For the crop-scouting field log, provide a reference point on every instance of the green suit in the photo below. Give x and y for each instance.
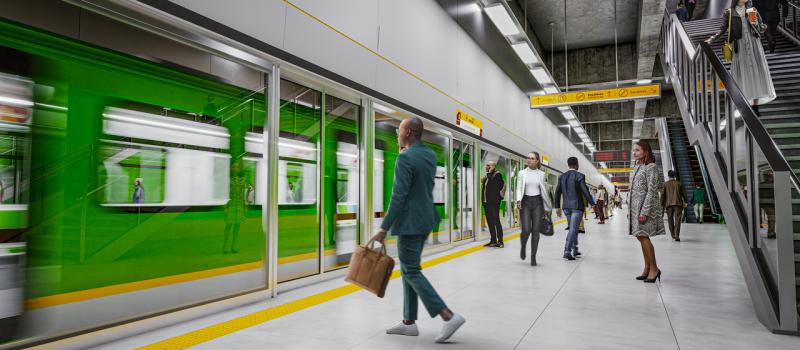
(411, 218)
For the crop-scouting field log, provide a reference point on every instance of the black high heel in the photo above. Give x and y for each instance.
(641, 278)
(658, 277)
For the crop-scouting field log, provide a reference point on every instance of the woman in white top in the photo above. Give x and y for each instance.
(533, 202)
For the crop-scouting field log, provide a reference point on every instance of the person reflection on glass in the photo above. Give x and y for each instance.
(138, 191)
(235, 209)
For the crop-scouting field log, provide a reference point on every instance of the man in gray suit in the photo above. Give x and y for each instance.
(411, 218)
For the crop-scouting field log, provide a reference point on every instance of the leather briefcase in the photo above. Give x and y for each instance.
(370, 269)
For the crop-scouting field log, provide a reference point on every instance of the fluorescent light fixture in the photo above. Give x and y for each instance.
(563, 108)
(569, 115)
(150, 121)
(15, 101)
(525, 53)
(551, 89)
(574, 123)
(644, 81)
(638, 120)
(541, 75)
(501, 19)
(473, 7)
(383, 108)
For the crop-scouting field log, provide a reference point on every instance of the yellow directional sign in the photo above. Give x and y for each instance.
(597, 96)
(616, 170)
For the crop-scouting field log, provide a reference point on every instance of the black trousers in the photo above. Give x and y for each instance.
(772, 34)
(690, 9)
(493, 220)
(531, 214)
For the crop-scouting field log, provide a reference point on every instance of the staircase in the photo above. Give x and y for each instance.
(754, 169)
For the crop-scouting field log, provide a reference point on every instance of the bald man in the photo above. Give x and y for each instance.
(493, 186)
(411, 217)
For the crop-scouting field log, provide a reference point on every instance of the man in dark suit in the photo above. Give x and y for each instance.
(770, 14)
(411, 218)
(573, 185)
(493, 187)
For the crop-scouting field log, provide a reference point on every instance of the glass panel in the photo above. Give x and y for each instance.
(439, 144)
(765, 216)
(142, 177)
(515, 168)
(298, 207)
(462, 194)
(341, 181)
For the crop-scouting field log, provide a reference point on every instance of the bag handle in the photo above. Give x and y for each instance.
(371, 245)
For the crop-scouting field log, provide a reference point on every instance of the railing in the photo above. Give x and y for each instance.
(754, 182)
(789, 19)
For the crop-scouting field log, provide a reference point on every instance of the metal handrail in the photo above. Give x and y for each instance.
(793, 12)
(775, 158)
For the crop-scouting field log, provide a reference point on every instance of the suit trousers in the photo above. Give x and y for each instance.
(492, 211)
(674, 220)
(415, 285)
(531, 213)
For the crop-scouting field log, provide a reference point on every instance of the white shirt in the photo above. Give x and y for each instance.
(531, 182)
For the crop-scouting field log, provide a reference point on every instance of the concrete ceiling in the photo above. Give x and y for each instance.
(590, 23)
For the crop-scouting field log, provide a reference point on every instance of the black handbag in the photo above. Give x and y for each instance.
(547, 225)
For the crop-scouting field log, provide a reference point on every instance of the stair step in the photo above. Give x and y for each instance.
(786, 136)
(781, 125)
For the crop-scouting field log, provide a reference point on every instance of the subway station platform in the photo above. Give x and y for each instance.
(592, 303)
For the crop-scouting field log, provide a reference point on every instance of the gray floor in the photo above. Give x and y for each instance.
(591, 303)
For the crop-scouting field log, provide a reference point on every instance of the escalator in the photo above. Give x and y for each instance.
(751, 157)
(689, 169)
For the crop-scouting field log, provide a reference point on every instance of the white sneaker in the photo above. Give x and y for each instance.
(404, 329)
(450, 327)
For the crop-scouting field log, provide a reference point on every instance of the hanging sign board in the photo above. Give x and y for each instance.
(611, 156)
(545, 159)
(639, 92)
(469, 123)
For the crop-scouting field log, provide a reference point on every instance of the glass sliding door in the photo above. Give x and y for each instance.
(298, 182)
(463, 190)
(341, 185)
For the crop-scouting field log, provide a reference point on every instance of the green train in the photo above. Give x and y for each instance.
(136, 185)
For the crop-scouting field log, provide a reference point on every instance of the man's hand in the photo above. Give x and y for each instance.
(380, 236)
(519, 204)
(558, 212)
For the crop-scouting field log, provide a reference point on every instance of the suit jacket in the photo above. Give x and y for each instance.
(411, 209)
(573, 185)
(492, 185)
(673, 194)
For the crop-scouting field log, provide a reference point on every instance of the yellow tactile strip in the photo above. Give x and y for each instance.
(222, 329)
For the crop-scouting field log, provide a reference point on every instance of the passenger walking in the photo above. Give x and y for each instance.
(673, 199)
(645, 214)
(534, 204)
(602, 199)
(699, 200)
(749, 65)
(411, 217)
(493, 192)
(572, 185)
(690, 5)
(770, 13)
(682, 13)
(235, 209)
